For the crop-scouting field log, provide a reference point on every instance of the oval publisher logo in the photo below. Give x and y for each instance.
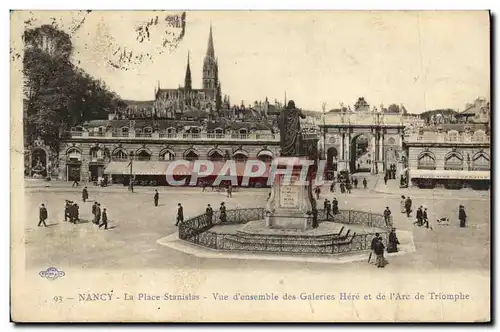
(52, 273)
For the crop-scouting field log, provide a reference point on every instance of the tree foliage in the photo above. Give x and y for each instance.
(57, 94)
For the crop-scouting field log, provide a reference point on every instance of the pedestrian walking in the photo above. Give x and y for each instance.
(408, 206)
(75, 183)
(75, 213)
(402, 204)
(419, 214)
(385, 179)
(425, 218)
(335, 206)
(98, 214)
(67, 206)
(379, 251)
(462, 216)
(85, 194)
(393, 241)
(365, 183)
(180, 214)
(156, 197)
(229, 191)
(328, 210)
(210, 214)
(43, 215)
(94, 207)
(387, 216)
(372, 247)
(104, 219)
(222, 211)
(355, 181)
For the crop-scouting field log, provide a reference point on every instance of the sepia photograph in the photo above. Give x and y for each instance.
(250, 166)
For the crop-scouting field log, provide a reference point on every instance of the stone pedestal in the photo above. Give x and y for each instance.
(289, 206)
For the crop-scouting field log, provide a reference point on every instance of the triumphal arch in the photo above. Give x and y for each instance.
(363, 140)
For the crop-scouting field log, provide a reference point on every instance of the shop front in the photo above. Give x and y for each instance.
(450, 179)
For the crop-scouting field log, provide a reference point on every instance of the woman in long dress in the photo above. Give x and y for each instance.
(402, 204)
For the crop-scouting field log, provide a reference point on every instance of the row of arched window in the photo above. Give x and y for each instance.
(455, 161)
(144, 154)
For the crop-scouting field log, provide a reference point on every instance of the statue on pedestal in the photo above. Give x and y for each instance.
(290, 135)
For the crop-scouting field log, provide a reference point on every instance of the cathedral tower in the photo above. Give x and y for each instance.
(210, 67)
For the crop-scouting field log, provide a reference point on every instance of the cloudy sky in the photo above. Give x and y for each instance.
(424, 60)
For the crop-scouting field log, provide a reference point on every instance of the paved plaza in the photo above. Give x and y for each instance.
(136, 226)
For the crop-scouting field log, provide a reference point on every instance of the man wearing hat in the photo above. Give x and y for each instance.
(425, 218)
(387, 216)
(419, 214)
(43, 215)
(372, 247)
(393, 241)
(462, 216)
(180, 214)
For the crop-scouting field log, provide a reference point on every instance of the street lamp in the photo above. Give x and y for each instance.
(131, 164)
(324, 130)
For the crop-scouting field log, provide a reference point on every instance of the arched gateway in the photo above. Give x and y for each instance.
(365, 141)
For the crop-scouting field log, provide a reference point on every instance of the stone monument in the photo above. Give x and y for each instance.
(290, 205)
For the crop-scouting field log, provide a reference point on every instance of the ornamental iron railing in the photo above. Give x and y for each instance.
(197, 230)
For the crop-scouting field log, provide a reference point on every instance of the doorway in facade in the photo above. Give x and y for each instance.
(73, 172)
(96, 171)
(331, 159)
(360, 155)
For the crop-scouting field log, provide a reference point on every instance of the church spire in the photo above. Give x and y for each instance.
(210, 66)
(210, 49)
(187, 79)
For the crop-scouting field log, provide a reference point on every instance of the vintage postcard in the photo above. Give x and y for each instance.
(250, 166)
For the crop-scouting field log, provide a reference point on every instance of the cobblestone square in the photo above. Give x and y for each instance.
(136, 225)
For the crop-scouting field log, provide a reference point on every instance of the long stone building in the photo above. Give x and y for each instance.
(107, 146)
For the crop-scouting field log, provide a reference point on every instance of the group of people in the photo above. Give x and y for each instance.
(209, 212)
(422, 214)
(405, 205)
(98, 215)
(422, 217)
(378, 248)
(345, 185)
(330, 207)
(71, 212)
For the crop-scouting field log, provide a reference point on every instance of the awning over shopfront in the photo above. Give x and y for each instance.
(448, 174)
(178, 168)
(138, 167)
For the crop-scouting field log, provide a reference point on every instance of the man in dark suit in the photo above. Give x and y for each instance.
(210, 213)
(98, 214)
(43, 215)
(104, 219)
(419, 215)
(372, 247)
(85, 194)
(180, 214)
(425, 218)
(408, 206)
(462, 216)
(156, 197)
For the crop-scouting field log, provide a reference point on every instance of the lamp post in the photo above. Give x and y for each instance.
(323, 106)
(131, 164)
